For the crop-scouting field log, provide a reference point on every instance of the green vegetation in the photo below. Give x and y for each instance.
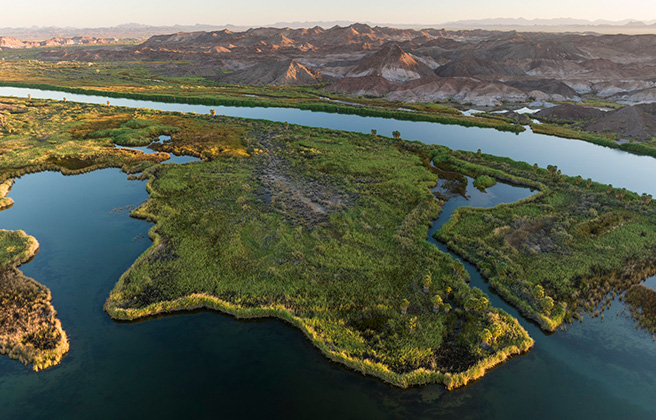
(29, 329)
(45, 135)
(327, 231)
(605, 139)
(484, 182)
(641, 301)
(562, 250)
(135, 80)
(134, 132)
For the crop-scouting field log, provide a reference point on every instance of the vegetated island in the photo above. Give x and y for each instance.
(29, 328)
(564, 251)
(321, 228)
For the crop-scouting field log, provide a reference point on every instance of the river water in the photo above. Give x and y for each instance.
(208, 365)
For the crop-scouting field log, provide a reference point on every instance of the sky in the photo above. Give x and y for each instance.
(94, 13)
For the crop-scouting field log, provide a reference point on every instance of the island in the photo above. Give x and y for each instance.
(327, 230)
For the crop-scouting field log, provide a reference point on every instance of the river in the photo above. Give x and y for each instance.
(208, 365)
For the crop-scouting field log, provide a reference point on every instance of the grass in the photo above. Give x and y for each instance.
(641, 301)
(29, 328)
(484, 182)
(562, 250)
(327, 231)
(136, 80)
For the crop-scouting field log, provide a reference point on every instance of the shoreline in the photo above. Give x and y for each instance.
(362, 110)
(417, 377)
(26, 352)
(199, 301)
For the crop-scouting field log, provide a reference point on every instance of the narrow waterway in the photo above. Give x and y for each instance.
(573, 157)
(610, 352)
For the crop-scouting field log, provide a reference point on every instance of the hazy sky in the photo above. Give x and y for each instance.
(93, 13)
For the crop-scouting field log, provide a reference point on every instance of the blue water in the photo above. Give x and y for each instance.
(573, 157)
(208, 365)
(180, 159)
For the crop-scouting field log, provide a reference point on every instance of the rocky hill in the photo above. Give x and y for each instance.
(391, 63)
(637, 122)
(275, 73)
(479, 66)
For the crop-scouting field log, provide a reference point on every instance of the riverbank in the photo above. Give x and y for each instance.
(213, 97)
(128, 80)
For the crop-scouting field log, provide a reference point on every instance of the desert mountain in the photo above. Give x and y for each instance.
(472, 66)
(490, 66)
(630, 122)
(568, 113)
(364, 85)
(8, 43)
(392, 63)
(276, 73)
(462, 89)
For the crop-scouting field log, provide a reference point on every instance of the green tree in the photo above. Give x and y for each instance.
(486, 336)
(458, 270)
(538, 291)
(427, 281)
(478, 304)
(437, 303)
(547, 304)
(405, 304)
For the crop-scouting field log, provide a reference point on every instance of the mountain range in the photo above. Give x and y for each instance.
(482, 67)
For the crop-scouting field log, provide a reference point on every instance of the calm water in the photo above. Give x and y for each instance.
(209, 365)
(173, 159)
(573, 157)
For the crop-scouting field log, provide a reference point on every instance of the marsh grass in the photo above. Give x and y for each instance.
(326, 230)
(641, 301)
(562, 250)
(29, 329)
